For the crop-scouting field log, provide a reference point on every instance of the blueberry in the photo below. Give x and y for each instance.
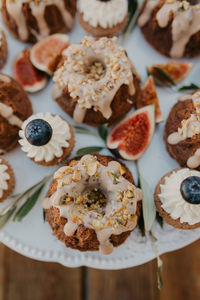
(190, 189)
(115, 152)
(104, 0)
(38, 132)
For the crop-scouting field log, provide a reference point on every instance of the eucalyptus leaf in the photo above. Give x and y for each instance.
(141, 224)
(4, 218)
(191, 86)
(103, 132)
(159, 276)
(157, 80)
(88, 150)
(28, 205)
(165, 76)
(148, 205)
(159, 219)
(83, 130)
(134, 11)
(159, 261)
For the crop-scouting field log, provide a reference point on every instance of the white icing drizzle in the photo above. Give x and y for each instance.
(116, 216)
(54, 148)
(7, 113)
(172, 200)
(186, 22)
(4, 177)
(15, 9)
(189, 128)
(145, 16)
(90, 93)
(103, 14)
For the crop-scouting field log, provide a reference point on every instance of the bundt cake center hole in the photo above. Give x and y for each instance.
(94, 199)
(95, 70)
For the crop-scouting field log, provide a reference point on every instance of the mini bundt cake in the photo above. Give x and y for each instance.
(96, 83)
(182, 131)
(172, 27)
(32, 20)
(15, 107)
(93, 204)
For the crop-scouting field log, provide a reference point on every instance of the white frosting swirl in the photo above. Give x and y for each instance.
(4, 177)
(54, 148)
(172, 200)
(104, 14)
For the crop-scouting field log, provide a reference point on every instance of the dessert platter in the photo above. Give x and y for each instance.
(99, 134)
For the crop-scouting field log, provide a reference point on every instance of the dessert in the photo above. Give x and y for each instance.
(103, 17)
(46, 53)
(46, 139)
(177, 198)
(172, 27)
(27, 75)
(93, 204)
(3, 49)
(148, 95)
(15, 107)
(182, 131)
(7, 179)
(32, 20)
(132, 136)
(96, 82)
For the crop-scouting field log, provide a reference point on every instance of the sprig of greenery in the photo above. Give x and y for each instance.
(103, 132)
(88, 150)
(9, 211)
(134, 11)
(190, 87)
(148, 205)
(159, 261)
(83, 130)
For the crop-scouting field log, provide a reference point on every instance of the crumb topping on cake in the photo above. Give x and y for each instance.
(97, 196)
(92, 72)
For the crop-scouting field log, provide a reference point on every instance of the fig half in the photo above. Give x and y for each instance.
(27, 75)
(132, 136)
(148, 95)
(177, 71)
(46, 54)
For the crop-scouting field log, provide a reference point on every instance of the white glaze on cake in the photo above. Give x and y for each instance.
(103, 14)
(93, 93)
(15, 10)
(189, 128)
(54, 148)
(7, 113)
(116, 216)
(4, 177)
(173, 202)
(185, 23)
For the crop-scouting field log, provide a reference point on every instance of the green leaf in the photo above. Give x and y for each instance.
(88, 150)
(83, 130)
(148, 205)
(28, 205)
(165, 76)
(159, 275)
(159, 219)
(159, 261)
(44, 215)
(134, 11)
(191, 86)
(103, 132)
(141, 224)
(4, 218)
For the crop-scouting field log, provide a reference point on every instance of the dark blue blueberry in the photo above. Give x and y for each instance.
(190, 189)
(38, 132)
(104, 0)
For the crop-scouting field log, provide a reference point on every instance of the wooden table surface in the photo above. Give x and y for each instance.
(25, 279)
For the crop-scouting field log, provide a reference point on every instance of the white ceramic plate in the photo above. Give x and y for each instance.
(33, 237)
